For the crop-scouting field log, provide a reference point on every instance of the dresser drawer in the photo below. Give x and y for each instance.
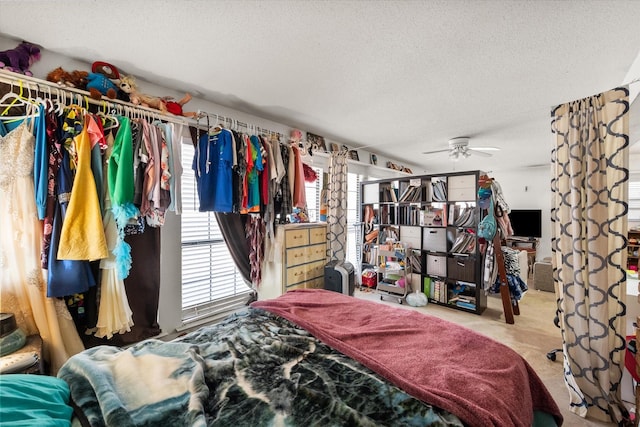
(305, 272)
(317, 283)
(296, 275)
(297, 256)
(316, 269)
(295, 238)
(316, 252)
(318, 235)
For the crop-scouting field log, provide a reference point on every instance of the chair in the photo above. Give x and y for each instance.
(556, 321)
(552, 354)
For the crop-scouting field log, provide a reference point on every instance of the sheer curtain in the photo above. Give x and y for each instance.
(337, 200)
(589, 237)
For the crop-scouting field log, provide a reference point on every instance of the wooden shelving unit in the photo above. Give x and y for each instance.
(435, 216)
(633, 248)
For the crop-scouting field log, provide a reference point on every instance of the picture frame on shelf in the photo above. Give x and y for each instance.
(373, 159)
(317, 142)
(334, 147)
(353, 155)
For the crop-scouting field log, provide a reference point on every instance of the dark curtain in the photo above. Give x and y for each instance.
(232, 228)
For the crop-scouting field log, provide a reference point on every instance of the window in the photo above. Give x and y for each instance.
(211, 283)
(634, 200)
(353, 230)
(313, 193)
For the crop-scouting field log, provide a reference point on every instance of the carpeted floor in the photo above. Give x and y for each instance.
(532, 335)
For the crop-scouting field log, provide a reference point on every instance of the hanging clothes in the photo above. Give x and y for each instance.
(213, 163)
(22, 286)
(41, 163)
(283, 196)
(82, 236)
(255, 240)
(121, 192)
(240, 170)
(65, 277)
(55, 160)
(254, 169)
(114, 313)
(299, 191)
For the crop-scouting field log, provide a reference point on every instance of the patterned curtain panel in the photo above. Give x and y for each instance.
(337, 200)
(589, 228)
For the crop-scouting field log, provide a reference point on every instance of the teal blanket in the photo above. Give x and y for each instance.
(253, 369)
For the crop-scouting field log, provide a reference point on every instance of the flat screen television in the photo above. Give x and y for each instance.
(526, 222)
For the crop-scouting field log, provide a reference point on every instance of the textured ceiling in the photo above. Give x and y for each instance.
(401, 76)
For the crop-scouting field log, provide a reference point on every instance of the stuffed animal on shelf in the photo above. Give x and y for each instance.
(20, 59)
(165, 105)
(76, 79)
(100, 81)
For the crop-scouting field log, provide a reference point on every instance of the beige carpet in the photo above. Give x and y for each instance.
(532, 336)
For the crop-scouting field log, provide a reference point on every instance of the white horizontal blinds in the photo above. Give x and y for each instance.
(312, 193)
(211, 283)
(353, 184)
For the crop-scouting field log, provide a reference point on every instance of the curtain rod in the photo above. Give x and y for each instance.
(83, 97)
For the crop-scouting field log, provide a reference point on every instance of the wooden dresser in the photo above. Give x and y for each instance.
(300, 254)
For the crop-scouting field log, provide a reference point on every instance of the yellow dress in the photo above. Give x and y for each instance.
(82, 236)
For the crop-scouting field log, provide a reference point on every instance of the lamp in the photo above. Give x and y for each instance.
(457, 153)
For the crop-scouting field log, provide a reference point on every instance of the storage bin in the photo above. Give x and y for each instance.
(436, 265)
(462, 268)
(410, 236)
(461, 188)
(434, 239)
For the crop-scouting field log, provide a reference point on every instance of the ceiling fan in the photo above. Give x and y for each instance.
(459, 148)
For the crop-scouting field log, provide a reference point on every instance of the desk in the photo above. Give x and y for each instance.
(525, 244)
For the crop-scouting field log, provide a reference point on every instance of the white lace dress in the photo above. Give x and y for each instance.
(22, 281)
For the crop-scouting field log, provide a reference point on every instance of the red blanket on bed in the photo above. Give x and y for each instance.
(478, 379)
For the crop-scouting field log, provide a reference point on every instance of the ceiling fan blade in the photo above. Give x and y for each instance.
(485, 148)
(480, 153)
(444, 150)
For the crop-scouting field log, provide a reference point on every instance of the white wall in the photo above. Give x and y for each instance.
(171, 271)
(530, 189)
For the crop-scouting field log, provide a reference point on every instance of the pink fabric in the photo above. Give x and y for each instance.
(478, 379)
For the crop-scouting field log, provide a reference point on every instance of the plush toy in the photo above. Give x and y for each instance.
(76, 79)
(99, 80)
(20, 58)
(165, 105)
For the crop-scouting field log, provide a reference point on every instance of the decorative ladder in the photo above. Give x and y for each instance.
(510, 307)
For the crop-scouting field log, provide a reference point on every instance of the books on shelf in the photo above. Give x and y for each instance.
(411, 194)
(439, 190)
(462, 215)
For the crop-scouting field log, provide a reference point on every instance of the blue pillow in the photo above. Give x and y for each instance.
(34, 400)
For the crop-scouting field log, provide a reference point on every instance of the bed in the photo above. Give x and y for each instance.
(312, 358)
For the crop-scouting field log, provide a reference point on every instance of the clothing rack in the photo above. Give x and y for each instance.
(68, 95)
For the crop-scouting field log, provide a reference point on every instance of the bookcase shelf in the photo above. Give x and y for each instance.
(435, 217)
(633, 249)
